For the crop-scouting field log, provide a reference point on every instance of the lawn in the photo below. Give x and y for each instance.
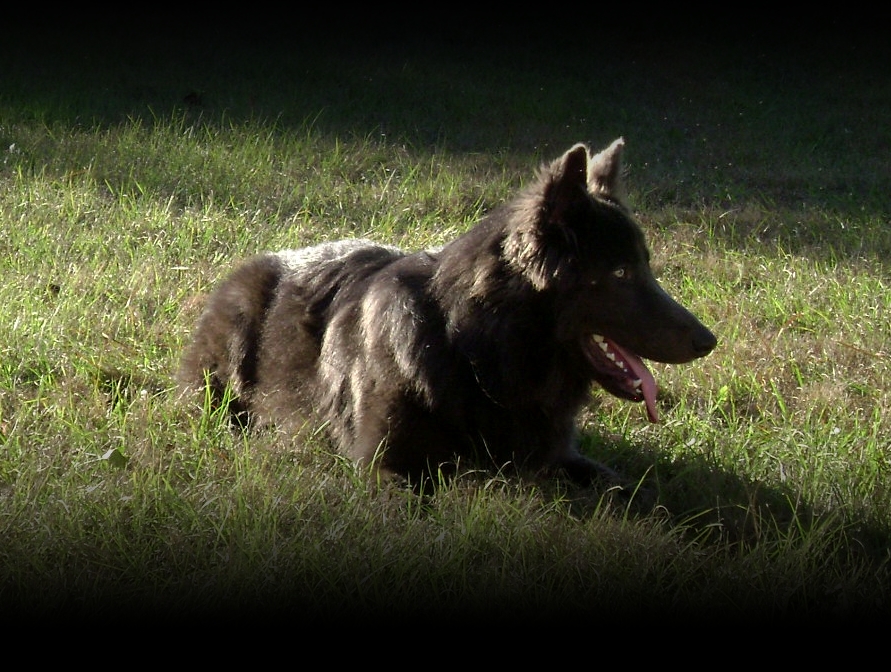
(135, 172)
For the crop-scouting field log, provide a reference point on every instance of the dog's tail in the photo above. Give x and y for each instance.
(222, 358)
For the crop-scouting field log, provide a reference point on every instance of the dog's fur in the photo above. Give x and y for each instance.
(483, 348)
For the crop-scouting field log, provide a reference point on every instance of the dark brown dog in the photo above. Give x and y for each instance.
(485, 348)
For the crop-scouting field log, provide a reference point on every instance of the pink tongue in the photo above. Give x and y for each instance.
(647, 382)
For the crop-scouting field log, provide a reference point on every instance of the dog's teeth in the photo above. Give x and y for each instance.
(598, 338)
(604, 347)
(637, 383)
(610, 356)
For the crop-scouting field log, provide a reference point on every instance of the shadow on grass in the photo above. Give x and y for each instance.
(713, 505)
(709, 117)
(719, 508)
(320, 542)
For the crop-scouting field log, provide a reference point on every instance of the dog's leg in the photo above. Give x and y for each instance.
(585, 471)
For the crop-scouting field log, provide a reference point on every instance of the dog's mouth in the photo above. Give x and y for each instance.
(621, 372)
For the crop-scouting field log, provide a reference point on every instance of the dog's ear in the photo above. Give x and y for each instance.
(568, 182)
(605, 172)
(537, 235)
(574, 166)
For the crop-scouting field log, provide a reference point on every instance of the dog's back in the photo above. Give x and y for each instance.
(261, 329)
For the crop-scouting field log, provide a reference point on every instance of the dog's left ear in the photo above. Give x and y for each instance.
(568, 181)
(605, 172)
(538, 236)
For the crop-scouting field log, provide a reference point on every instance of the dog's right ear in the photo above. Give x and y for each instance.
(605, 172)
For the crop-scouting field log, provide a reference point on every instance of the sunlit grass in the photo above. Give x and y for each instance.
(768, 473)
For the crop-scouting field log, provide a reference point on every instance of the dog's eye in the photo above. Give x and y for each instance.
(622, 273)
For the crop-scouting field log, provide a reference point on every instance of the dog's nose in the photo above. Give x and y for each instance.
(704, 342)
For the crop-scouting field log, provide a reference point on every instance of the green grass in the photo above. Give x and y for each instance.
(759, 175)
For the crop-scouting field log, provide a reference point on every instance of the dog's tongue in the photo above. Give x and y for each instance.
(647, 382)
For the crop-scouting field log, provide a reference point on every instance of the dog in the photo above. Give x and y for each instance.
(483, 349)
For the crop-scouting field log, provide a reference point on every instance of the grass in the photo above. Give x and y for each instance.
(132, 178)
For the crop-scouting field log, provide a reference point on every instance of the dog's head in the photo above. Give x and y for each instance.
(575, 237)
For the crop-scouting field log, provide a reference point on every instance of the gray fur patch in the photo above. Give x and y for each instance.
(308, 259)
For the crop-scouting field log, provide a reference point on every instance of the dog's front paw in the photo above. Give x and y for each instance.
(586, 472)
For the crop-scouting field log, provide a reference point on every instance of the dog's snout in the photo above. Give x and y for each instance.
(704, 342)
